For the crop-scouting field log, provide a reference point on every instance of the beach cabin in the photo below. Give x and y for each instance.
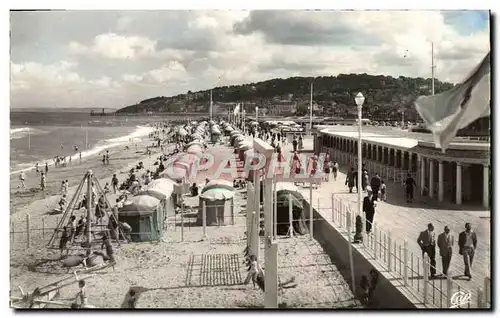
(145, 216)
(215, 134)
(163, 190)
(217, 197)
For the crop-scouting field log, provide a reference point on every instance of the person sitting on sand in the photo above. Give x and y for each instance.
(194, 190)
(62, 202)
(106, 188)
(126, 230)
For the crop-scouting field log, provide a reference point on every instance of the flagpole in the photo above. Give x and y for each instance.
(29, 139)
(432, 66)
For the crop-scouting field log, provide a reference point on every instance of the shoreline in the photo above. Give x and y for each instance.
(121, 160)
(139, 133)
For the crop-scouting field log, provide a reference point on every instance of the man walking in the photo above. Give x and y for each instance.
(375, 184)
(427, 242)
(369, 205)
(467, 243)
(410, 185)
(445, 244)
(350, 180)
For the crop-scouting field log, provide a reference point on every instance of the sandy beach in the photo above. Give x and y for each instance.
(179, 271)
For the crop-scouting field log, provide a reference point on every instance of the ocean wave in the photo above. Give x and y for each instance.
(139, 132)
(21, 132)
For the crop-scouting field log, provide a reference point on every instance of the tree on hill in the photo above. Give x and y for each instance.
(385, 96)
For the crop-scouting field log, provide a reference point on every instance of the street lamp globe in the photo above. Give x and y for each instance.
(360, 99)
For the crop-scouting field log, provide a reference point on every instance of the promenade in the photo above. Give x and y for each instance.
(405, 221)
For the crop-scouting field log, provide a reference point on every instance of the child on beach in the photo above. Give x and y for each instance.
(22, 177)
(335, 169)
(46, 167)
(383, 191)
(114, 182)
(106, 188)
(37, 169)
(64, 240)
(42, 181)
(62, 202)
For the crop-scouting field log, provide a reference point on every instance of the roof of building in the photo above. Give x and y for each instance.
(402, 139)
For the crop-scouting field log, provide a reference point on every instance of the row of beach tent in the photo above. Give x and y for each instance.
(146, 211)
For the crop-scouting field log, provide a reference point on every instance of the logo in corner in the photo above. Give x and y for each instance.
(460, 299)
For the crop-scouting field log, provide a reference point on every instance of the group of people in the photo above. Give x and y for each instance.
(467, 245)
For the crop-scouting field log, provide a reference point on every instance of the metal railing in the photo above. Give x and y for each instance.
(409, 268)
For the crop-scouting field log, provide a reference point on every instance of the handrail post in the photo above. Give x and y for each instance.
(480, 296)
(389, 251)
(204, 218)
(426, 277)
(487, 290)
(374, 231)
(333, 209)
(449, 288)
(28, 239)
(405, 260)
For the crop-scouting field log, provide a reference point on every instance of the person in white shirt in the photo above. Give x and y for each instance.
(22, 178)
(467, 243)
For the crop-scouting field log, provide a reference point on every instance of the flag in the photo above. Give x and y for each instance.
(447, 112)
(236, 109)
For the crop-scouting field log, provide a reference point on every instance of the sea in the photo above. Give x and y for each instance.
(40, 136)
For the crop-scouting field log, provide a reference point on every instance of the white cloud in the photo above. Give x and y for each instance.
(114, 46)
(165, 53)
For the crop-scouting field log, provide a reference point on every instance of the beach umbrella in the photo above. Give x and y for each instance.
(188, 158)
(244, 147)
(217, 190)
(215, 130)
(234, 132)
(176, 171)
(254, 123)
(290, 186)
(139, 205)
(194, 149)
(197, 135)
(282, 198)
(198, 142)
(159, 188)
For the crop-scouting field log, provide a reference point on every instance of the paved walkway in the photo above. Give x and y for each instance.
(405, 221)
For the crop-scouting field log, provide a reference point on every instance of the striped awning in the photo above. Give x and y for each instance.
(139, 205)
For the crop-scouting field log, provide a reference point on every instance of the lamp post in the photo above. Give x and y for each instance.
(359, 99)
(211, 100)
(311, 107)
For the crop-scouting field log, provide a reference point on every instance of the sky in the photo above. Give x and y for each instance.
(117, 58)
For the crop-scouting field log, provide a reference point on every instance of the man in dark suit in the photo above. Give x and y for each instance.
(467, 243)
(427, 242)
(375, 184)
(369, 205)
(445, 244)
